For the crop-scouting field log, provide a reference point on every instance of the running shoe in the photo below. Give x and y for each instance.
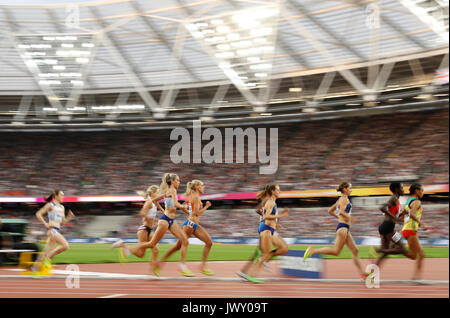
(186, 272)
(47, 263)
(117, 244)
(207, 271)
(307, 253)
(364, 276)
(241, 274)
(156, 270)
(252, 279)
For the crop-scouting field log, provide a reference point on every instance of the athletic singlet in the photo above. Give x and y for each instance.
(274, 212)
(56, 213)
(169, 202)
(191, 206)
(395, 209)
(410, 224)
(151, 214)
(348, 209)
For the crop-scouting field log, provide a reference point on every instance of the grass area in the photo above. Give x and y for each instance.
(101, 253)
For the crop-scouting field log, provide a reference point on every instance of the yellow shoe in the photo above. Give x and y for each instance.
(47, 264)
(186, 272)
(156, 270)
(207, 271)
(307, 253)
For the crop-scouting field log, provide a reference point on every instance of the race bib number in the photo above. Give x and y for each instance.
(396, 237)
(190, 224)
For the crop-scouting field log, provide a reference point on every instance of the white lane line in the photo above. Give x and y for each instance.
(113, 296)
(117, 276)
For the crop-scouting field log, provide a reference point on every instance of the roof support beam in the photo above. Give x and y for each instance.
(113, 47)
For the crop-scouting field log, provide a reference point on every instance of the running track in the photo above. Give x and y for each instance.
(394, 272)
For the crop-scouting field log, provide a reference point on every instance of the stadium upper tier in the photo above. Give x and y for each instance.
(311, 155)
(136, 64)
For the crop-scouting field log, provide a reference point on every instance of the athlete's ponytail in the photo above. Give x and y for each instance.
(268, 190)
(167, 182)
(191, 186)
(147, 194)
(52, 196)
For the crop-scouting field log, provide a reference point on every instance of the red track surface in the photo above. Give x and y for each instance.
(392, 269)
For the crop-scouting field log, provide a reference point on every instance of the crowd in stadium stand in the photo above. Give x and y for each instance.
(311, 155)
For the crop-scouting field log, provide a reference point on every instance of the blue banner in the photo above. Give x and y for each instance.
(292, 264)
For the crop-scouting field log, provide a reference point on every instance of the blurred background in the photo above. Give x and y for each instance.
(91, 90)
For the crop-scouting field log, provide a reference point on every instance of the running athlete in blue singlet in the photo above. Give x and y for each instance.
(266, 229)
(341, 210)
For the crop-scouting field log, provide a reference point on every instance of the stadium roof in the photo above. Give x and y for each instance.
(155, 50)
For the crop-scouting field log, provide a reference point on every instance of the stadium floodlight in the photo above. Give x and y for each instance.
(260, 66)
(34, 53)
(131, 107)
(77, 83)
(76, 108)
(223, 47)
(82, 60)
(70, 74)
(66, 38)
(40, 46)
(72, 53)
(253, 59)
(46, 61)
(49, 82)
(233, 36)
(432, 13)
(49, 56)
(48, 75)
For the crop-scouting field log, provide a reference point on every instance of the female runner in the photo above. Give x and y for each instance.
(267, 229)
(412, 214)
(192, 225)
(148, 214)
(342, 211)
(56, 218)
(391, 242)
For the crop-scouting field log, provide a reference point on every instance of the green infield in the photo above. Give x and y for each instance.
(101, 253)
